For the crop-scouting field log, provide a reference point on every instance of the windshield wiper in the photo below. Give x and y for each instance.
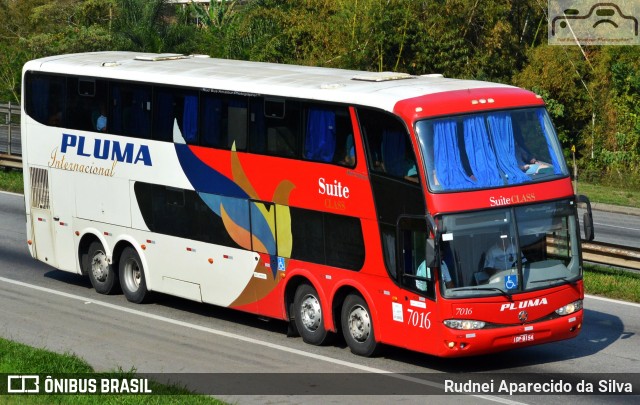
(550, 279)
(503, 292)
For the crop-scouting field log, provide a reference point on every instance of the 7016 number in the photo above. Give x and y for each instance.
(418, 319)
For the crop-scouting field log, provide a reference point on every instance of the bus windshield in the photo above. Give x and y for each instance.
(490, 149)
(510, 250)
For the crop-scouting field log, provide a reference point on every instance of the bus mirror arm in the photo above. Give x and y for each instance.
(587, 218)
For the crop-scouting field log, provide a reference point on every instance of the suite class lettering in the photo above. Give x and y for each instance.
(514, 199)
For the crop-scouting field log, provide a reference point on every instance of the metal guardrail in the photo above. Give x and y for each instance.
(613, 255)
(10, 141)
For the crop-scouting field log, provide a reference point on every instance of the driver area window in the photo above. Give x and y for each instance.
(416, 265)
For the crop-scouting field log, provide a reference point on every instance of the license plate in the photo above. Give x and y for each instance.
(527, 337)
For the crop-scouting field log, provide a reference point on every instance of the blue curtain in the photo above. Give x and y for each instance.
(190, 119)
(393, 153)
(505, 148)
(554, 160)
(212, 119)
(449, 170)
(482, 159)
(320, 144)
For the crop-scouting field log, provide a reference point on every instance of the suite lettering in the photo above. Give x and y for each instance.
(514, 199)
(336, 193)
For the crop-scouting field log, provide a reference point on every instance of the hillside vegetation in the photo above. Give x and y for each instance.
(593, 92)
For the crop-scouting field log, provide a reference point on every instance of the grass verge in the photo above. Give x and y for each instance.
(11, 180)
(610, 195)
(612, 283)
(16, 358)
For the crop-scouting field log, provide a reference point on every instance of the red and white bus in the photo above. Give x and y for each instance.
(422, 212)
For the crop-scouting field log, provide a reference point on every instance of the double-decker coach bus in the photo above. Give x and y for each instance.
(422, 212)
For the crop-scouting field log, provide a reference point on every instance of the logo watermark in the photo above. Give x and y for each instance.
(80, 384)
(593, 22)
(23, 384)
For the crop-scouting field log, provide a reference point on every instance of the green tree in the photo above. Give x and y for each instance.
(561, 75)
(216, 21)
(11, 61)
(151, 26)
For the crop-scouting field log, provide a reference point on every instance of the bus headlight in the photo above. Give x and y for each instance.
(464, 324)
(570, 308)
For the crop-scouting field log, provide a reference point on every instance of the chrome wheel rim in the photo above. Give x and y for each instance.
(359, 323)
(310, 313)
(100, 266)
(132, 275)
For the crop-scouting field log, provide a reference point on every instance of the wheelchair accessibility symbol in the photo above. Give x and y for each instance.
(511, 282)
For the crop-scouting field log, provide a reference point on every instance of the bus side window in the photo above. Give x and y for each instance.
(46, 99)
(223, 121)
(320, 137)
(282, 127)
(237, 114)
(257, 142)
(389, 148)
(80, 102)
(172, 106)
(131, 110)
(416, 264)
(345, 145)
(321, 237)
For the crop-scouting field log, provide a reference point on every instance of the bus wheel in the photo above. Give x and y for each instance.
(101, 273)
(308, 315)
(132, 280)
(357, 326)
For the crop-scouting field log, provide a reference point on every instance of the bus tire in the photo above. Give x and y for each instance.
(357, 326)
(132, 279)
(101, 273)
(308, 315)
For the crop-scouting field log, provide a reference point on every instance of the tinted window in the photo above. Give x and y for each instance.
(46, 99)
(87, 102)
(131, 110)
(389, 151)
(181, 213)
(334, 240)
(175, 106)
(223, 121)
(271, 126)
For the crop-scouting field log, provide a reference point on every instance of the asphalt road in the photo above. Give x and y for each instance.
(617, 225)
(43, 307)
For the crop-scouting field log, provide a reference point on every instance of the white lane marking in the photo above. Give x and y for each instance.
(595, 297)
(249, 340)
(615, 226)
(10, 193)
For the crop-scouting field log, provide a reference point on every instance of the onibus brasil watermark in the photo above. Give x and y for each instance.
(35, 384)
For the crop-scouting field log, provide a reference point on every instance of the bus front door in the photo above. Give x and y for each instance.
(416, 255)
